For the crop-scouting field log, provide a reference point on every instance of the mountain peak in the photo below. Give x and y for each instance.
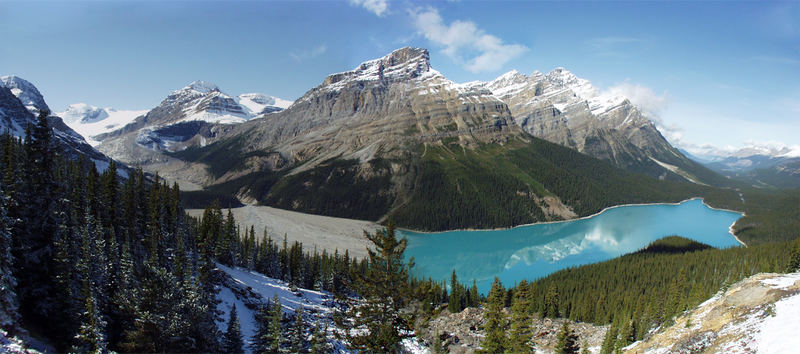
(26, 92)
(203, 87)
(401, 64)
(408, 54)
(511, 75)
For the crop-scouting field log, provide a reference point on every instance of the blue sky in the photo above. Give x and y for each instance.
(719, 73)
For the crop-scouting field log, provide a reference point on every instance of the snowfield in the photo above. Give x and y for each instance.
(91, 121)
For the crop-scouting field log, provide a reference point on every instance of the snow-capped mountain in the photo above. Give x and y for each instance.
(190, 116)
(26, 92)
(376, 107)
(20, 104)
(182, 115)
(568, 110)
(90, 121)
(259, 104)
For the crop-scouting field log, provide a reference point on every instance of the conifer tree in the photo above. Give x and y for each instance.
(232, 341)
(794, 257)
(610, 339)
(521, 334)
(298, 338)
(9, 315)
(551, 303)
(567, 341)
(319, 341)
(474, 296)
(383, 287)
(628, 333)
(260, 341)
(495, 340)
(454, 302)
(275, 329)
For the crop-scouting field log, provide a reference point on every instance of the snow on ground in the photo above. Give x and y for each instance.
(316, 304)
(413, 346)
(256, 102)
(773, 330)
(323, 232)
(778, 334)
(12, 344)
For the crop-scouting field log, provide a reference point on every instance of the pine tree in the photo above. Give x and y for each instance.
(454, 302)
(551, 303)
(275, 329)
(610, 339)
(319, 341)
(496, 323)
(232, 341)
(260, 340)
(628, 333)
(91, 335)
(437, 346)
(474, 296)
(9, 315)
(298, 337)
(567, 341)
(383, 286)
(794, 257)
(521, 334)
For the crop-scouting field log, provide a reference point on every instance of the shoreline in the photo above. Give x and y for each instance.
(730, 228)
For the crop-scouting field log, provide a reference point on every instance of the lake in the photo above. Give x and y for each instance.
(533, 251)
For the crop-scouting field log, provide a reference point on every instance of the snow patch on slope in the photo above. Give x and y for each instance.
(317, 305)
(256, 103)
(90, 121)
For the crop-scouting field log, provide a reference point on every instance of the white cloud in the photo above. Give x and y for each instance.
(749, 148)
(642, 96)
(378, 7)
(465, 43)
(309, 54)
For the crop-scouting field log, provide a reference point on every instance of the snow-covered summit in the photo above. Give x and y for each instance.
(259, 103)
(581, 87)
(90, 121)
(82, 113)
(202, 87)
(26, 92)
(401, 64)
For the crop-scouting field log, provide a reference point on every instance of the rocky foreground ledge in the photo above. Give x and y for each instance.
(759, 314)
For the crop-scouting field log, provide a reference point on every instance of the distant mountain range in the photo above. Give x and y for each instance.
(20, 104)
(394, 137)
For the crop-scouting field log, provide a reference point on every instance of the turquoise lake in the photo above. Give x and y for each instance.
(533, 251)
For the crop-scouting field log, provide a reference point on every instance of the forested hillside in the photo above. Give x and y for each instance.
(644, 289)
(91, 262)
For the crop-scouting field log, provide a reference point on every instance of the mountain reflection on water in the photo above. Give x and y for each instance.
(533, 251)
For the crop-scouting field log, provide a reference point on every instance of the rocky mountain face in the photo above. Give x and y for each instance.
(26, 92)
(393, 136)
(756, 315)
(374, 109)
(567, 110)
(20, 104)
(190, 116)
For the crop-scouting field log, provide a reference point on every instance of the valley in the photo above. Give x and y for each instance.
(377, 176)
